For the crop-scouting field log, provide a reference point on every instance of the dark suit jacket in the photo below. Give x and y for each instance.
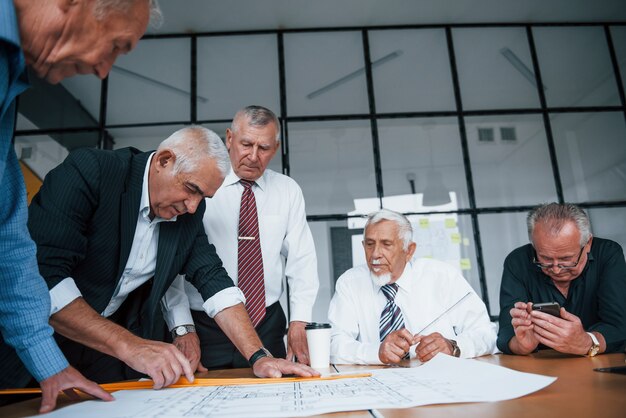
(83, 220)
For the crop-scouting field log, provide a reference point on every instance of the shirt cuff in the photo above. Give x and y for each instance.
(43, 359)
(300, 313)
(223, 299)
(179, 315)
(62, 294)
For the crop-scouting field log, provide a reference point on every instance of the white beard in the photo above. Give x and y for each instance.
(381, 280)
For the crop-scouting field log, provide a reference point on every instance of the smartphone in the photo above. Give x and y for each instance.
(551, 308)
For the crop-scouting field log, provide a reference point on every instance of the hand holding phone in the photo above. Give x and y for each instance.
(552, 308)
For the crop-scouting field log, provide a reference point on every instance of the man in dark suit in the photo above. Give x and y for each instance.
(113, 229)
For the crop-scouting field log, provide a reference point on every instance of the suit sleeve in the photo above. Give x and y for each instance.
(59, 215)
(204, 269)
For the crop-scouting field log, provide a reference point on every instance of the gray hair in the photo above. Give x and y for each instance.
(405, 230)
(103, 7)
(256, 116)
(194, 143)
(555, 216)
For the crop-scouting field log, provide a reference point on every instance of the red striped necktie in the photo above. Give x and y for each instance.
(249, 258)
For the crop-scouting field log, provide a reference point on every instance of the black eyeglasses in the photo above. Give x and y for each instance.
(565, 266)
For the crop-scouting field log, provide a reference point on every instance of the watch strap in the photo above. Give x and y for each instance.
(595, 345)
(262, 352)
(456, 351)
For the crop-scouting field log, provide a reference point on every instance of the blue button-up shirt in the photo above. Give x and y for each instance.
(24, 298)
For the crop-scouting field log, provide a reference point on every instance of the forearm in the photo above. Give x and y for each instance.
(346, 350)
(79, 322)
(235, 323)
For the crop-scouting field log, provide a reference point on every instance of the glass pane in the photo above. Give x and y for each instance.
(334, 256)
(144, 138)
(495, 68)
(40, 154)
(609, 223)
(151, 84)
(411, 70)
(424, 154)
(236, 71)
(500, 234)
(325, 73)
(75, 102)
(510, 160)
(575, 66)
(86, 89)
(591, 152)
(333, 163)
(618, 33)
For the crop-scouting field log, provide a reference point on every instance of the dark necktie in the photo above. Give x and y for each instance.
(391, 318)
(249, 258)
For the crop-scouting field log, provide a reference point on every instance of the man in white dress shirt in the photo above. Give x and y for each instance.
(286, 246)
(422, 290)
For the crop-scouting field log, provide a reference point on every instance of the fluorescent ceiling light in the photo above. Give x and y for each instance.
(156, 82)
(353, 74)
(520, 66)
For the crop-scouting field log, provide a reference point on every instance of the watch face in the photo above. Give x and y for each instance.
(181, 331)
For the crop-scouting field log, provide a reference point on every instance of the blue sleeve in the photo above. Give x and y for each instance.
(24, 298)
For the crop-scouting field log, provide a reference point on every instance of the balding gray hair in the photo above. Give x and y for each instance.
(103, 7)
(555, 216)
(405, 230)
(256, 116)
(192, 145)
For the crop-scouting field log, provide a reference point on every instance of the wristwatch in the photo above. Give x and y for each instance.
(262, 352)
(181, 330)
(456, 351)
(595, 345)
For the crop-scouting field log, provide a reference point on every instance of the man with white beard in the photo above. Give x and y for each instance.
(383, 308)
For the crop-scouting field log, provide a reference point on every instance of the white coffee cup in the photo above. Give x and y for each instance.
(318, 340)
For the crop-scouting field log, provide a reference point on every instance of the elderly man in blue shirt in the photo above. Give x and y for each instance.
(57, 39)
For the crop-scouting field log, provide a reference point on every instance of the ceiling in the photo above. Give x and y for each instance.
(192, 16)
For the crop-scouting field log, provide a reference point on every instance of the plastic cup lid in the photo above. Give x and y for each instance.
(316, 325)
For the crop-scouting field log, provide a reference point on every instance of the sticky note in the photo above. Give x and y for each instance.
(450, 223)
(455, 237)
(424, 223)
(466, 264)
(466, 242)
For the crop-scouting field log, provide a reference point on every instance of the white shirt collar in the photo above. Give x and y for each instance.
(404, 282)
(232, 178)
(144, 202)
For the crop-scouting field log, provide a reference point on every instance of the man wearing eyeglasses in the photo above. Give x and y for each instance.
(563, 263)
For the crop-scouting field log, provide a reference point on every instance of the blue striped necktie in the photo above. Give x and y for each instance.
(391, 318)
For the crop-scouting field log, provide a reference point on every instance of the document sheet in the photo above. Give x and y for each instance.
(443, 380)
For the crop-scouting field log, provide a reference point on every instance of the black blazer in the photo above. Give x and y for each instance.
(83, 221)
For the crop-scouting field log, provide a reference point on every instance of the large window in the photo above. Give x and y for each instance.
(464, 128)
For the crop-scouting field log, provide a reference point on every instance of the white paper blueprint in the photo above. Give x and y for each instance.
(444, 379)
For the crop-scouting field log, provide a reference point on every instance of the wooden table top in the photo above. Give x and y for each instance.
(578, 392)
